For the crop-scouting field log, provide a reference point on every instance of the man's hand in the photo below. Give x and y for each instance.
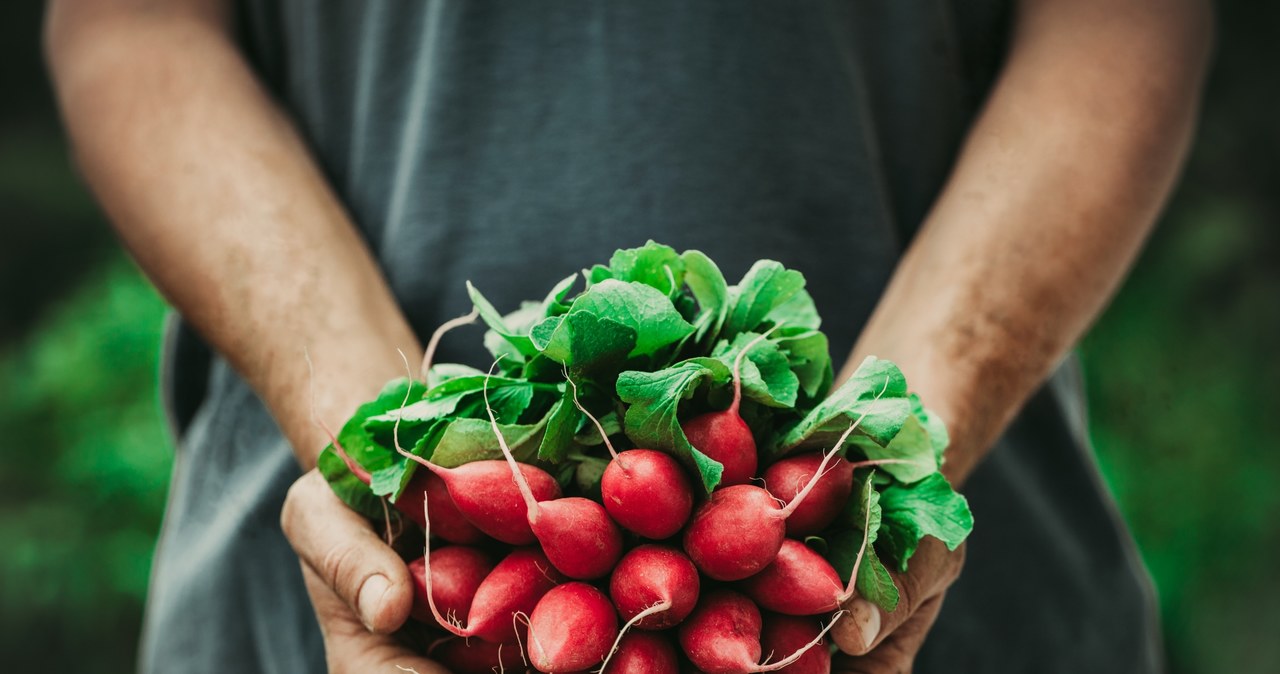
(360, 588)
(873, 642)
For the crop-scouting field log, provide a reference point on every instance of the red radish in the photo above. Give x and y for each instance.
(643, 490)
(485, 494)
(723, 435)
(513, 587)
(571, 628)
(475, 656)
(798, 582)
(740, 529)
(644, 653)
(650, 576)
(447, 522)
(786, 634)
(722, 636)
(787, 477)
(654, 587)
(576, 533)
(456, 573)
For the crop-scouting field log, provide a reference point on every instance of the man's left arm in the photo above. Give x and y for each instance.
(1058, 185)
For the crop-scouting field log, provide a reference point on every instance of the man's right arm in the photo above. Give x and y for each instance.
(219, 201)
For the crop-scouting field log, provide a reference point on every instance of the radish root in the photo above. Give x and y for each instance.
(664, 605)
(599, 427)
(737, 367)
(448, 325)
(522, 484)
(851, 588)
(789, 508)
(790, 659)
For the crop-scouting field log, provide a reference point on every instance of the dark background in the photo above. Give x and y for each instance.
(1183, 373)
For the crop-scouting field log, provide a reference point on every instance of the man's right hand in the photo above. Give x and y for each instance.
(360, 588)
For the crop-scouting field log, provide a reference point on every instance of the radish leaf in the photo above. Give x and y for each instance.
(654, 399)
(928, 508)
(765, 287)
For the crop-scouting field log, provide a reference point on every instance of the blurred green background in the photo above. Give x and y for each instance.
(1183, 373)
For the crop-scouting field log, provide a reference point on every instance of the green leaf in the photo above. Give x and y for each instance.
(589, 435)
(933, 425)
(766, 373)
(562, 423)
(587, 476)
(643, 309)
(583, 340)
(877, 390)
(349, 489)
(810, 357)
(652, 264)
(496, 323)
(709, 288)
(874, 582)
(442, 372)
(765, 287)
(654, 398)
(912, 445)
(610, 322)
(928, 508)
(467, 440)
(553, 304)
(797, 312)
(359, 441)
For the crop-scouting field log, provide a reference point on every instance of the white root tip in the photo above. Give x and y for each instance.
(599, 427)
(851, 588)
(659, 607)
(737, 367)
(434, 342)
(791, 659)
(522, 484)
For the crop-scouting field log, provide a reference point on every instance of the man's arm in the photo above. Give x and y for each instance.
(218, 200)
(1058, 184)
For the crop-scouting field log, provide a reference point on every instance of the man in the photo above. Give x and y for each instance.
(963, 183)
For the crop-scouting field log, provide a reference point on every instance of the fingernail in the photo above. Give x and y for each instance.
(867, 617)
(370, 599)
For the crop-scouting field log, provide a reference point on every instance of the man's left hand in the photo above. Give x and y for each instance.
(874, 642)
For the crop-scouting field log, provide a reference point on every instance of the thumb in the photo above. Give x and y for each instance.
(343, 551)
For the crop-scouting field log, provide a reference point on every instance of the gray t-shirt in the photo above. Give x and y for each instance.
(514, 142)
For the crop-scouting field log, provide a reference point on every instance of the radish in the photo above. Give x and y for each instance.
(654, 587)
(787, 477)
(644, 653)
(643, 490)
(739, 530)
(722, 636)
(447, 522)
(723, 435)
(514, 586)
(485, 494)
(571, 628)
(456, 573)
(786, 634)
(576, 533)
(475, 656)
(799, 582)
(652, 576)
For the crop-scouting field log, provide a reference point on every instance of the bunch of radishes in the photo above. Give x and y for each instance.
(550, 549)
